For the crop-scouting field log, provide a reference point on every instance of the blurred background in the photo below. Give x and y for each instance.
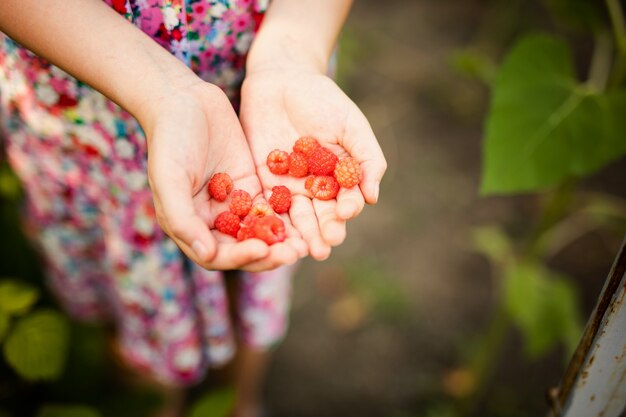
(466, 289)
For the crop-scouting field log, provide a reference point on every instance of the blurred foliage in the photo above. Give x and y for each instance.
(373, 281)
(543, 125)
(36, 347)
(67, 411)
(217, 403)
(16, 297)
(545, 307)
(545, 130)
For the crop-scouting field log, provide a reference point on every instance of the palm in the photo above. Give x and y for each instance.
(191, 143)
(278, 108)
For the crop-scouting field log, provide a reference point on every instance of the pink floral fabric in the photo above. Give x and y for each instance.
(82, 161)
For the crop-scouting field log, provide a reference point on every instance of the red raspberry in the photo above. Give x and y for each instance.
(280, 200)
(324, 187)
(278, 162)
(260, 210)
(322, 161)
(309, 182)
(270, 229)
(306, 145)
(228, 223)
(220, 186)
(348, 172)
(240, 203)
(298, 165)
(247, 228)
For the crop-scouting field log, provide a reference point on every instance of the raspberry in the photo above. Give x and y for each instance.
(309, 182)
(322, 161)
(348, 172)
(324, 187)
(306, 145)
(260, 210)
(247, 228)
(280, 200)
(228, 223)
(298, 165)
(220, 186)
(278, 162)
(270, 229)
(240, 203)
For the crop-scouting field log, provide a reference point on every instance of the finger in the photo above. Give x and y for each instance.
(180, 221)
(361, 143)
(235, 255)
(280, 254)
(350, 203)
(294, 238)
(304, 219)
(332, 228)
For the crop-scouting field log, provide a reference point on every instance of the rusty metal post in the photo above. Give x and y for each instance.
(594, 384)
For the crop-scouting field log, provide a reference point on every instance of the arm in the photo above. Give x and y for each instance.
(190, 125)
(299, 33)
(286, 69)
(90, 41)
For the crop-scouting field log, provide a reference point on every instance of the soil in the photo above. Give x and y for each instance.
(393, 351)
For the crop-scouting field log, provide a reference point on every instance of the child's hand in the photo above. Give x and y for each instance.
(278, 107)
(193, 134)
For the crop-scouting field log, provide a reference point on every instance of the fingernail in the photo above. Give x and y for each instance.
(199, 248)
(376, 191)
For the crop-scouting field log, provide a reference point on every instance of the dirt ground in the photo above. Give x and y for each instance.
(383, 348)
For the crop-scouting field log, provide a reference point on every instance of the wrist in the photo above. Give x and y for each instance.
(274, 51)
(187, 93)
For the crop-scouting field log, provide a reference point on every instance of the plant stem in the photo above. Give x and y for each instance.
(600, 62)
(485, 358)
(619, 33)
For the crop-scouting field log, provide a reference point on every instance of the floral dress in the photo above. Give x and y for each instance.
(82, 160)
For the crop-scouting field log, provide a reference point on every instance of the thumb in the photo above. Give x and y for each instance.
(361, 143)
(178, 218)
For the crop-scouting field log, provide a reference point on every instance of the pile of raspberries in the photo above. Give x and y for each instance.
(325, 173)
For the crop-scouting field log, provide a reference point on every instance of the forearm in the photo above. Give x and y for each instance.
(299, 33)
(93, 43)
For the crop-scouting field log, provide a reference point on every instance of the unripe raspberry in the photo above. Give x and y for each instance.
(260, 210)
(240, 203)
(348, 172)
(220, 186)
(280, 200)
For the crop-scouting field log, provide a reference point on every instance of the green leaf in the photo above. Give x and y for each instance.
(544, 306)
(492, 242)
(17, 297)
(5, 323)
(9, 184)
(218, 403)
(37, 346)
(54, 410)
(543, 126)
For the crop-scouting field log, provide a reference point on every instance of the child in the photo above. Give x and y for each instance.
(86, 163)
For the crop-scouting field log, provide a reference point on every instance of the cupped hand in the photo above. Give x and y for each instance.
(193, 134)
(278, 107)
